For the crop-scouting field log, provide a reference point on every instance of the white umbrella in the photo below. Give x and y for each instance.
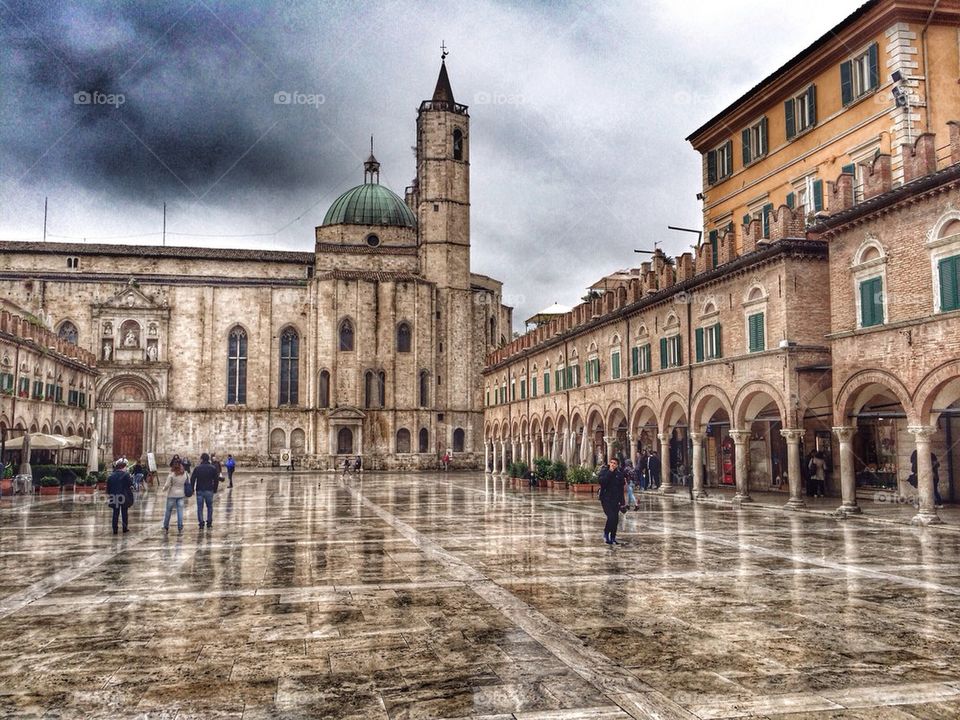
(92, 460)
(38, 441)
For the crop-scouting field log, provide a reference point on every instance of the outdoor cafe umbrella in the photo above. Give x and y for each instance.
(37, 441)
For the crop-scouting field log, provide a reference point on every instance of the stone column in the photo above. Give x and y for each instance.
(486, 457)
(794, 476)
(609, 441)
(697, 440)
(666, 481)
(927, 512)
(848, 478)
(503, 457)
(533, 450)
(740, 439)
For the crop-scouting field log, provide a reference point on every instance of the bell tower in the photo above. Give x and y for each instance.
(443, 183)
(443, 221)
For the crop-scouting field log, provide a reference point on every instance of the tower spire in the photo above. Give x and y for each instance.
(443, 93)
(371, 168)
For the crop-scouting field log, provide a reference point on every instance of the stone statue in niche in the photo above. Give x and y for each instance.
(130, 300)
(107, 329)
(130, 339)
(152, 330)
(152, 352)
(107, 351)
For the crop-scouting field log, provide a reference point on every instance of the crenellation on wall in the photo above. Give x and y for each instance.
(920, 158)
(877, 178)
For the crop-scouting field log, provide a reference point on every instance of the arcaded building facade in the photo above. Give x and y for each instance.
(371, 345)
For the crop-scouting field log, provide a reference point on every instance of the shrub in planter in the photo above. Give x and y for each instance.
(558, 471)
(520, 470)
(542, 467)
(579, 475)
(66, 476)
(49, 485)
(89, 480)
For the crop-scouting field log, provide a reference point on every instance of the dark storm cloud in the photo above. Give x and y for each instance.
(578, 114)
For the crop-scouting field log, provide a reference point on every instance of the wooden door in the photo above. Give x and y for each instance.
(128, 434)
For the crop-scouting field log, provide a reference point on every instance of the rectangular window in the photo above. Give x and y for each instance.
(488, 398)
(800, 112)
(589, 371)
(860, 75)
(73, 398)
(513, 390)
(754, 141)
(949, 270)
(635, 360)
(38, 390)
(533, 388)
(767, 211)
(871, 302)
(559, 374)
(523, 389)
(6, 382)
(615, 365)
(646, 364)
(670, 353)
(59, 397)
(546, 383)
(720, 162)
(707, 342)
(23, 387)
(756, 342)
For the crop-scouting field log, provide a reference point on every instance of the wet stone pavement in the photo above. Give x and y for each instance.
(425, 596)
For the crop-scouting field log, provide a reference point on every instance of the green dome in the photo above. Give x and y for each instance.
(370, 204)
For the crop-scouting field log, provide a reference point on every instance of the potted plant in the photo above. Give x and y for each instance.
(87, 484)
(101, 481)
(49, 485)
(518, 471)
(580, 479)
(67, 477)
(558, 474)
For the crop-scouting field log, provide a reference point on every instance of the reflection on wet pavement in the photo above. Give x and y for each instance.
(430, 596)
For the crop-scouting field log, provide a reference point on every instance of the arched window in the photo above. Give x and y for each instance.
(345, 441)
(458, 144)
(369, 390)
(323, 399)
(289, 367)
(458, 438)
(278, 440)
(237, 367)
(403, 338)
(424, 388)
(424, 440)
(68, 332)
(346, 335)
(403, 440)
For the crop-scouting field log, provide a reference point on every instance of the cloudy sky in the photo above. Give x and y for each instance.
(578, 116)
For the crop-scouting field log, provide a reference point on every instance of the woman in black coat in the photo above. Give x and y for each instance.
(612, 489)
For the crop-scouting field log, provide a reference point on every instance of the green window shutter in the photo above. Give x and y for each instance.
(871, 302)
(711, 167)
(747, 219)
(546, 383)
(767, 210)
(728, 151)
(616, 366)
(763, 136)
(745, 140)
(817, 195)
(635, 361)
(791, 123)
(755, 332)
(874, 53)
(791, 200)
(714, 243)
(850, 169)
(699, 337)
(663, 353)
(811, 106)
(717, 351)
(846, 82)
(648, 362)
(950, 283)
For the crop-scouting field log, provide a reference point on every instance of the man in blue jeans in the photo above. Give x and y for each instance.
(205, 478)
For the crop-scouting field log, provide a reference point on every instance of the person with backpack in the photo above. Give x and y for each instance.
(231, 465)
(120, 494)
(818, 473)
(177, 478)
(612, 499)
(205, 479)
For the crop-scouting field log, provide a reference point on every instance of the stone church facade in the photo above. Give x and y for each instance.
(371, 345)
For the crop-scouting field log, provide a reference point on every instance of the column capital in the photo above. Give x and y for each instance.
(740, 437)
(608, 438)
(697, 437)
(664, 437)
(792, 435)
(922, 433)
(844, 433)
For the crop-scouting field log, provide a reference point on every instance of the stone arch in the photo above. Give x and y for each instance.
(298, 441)
(869, 249)
(707, 400)
(853, 394)
(755, 293)
(278, 440)
(58, 428)
(944, 223)
(594, 411)
(673, 413)
(644, 414)
(146, 385)
(750, 400)
(45, 428)
(70, 429)
(940, 387)
(614, 409)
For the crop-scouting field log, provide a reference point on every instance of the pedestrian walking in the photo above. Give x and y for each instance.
(205, 479)
(632, 503)
(358, 465)
(612, 499)
(818, 473)
(231, 465)
(176, 479)
(446, 461)
(653, 470)
(120, 495)
(346, 466)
